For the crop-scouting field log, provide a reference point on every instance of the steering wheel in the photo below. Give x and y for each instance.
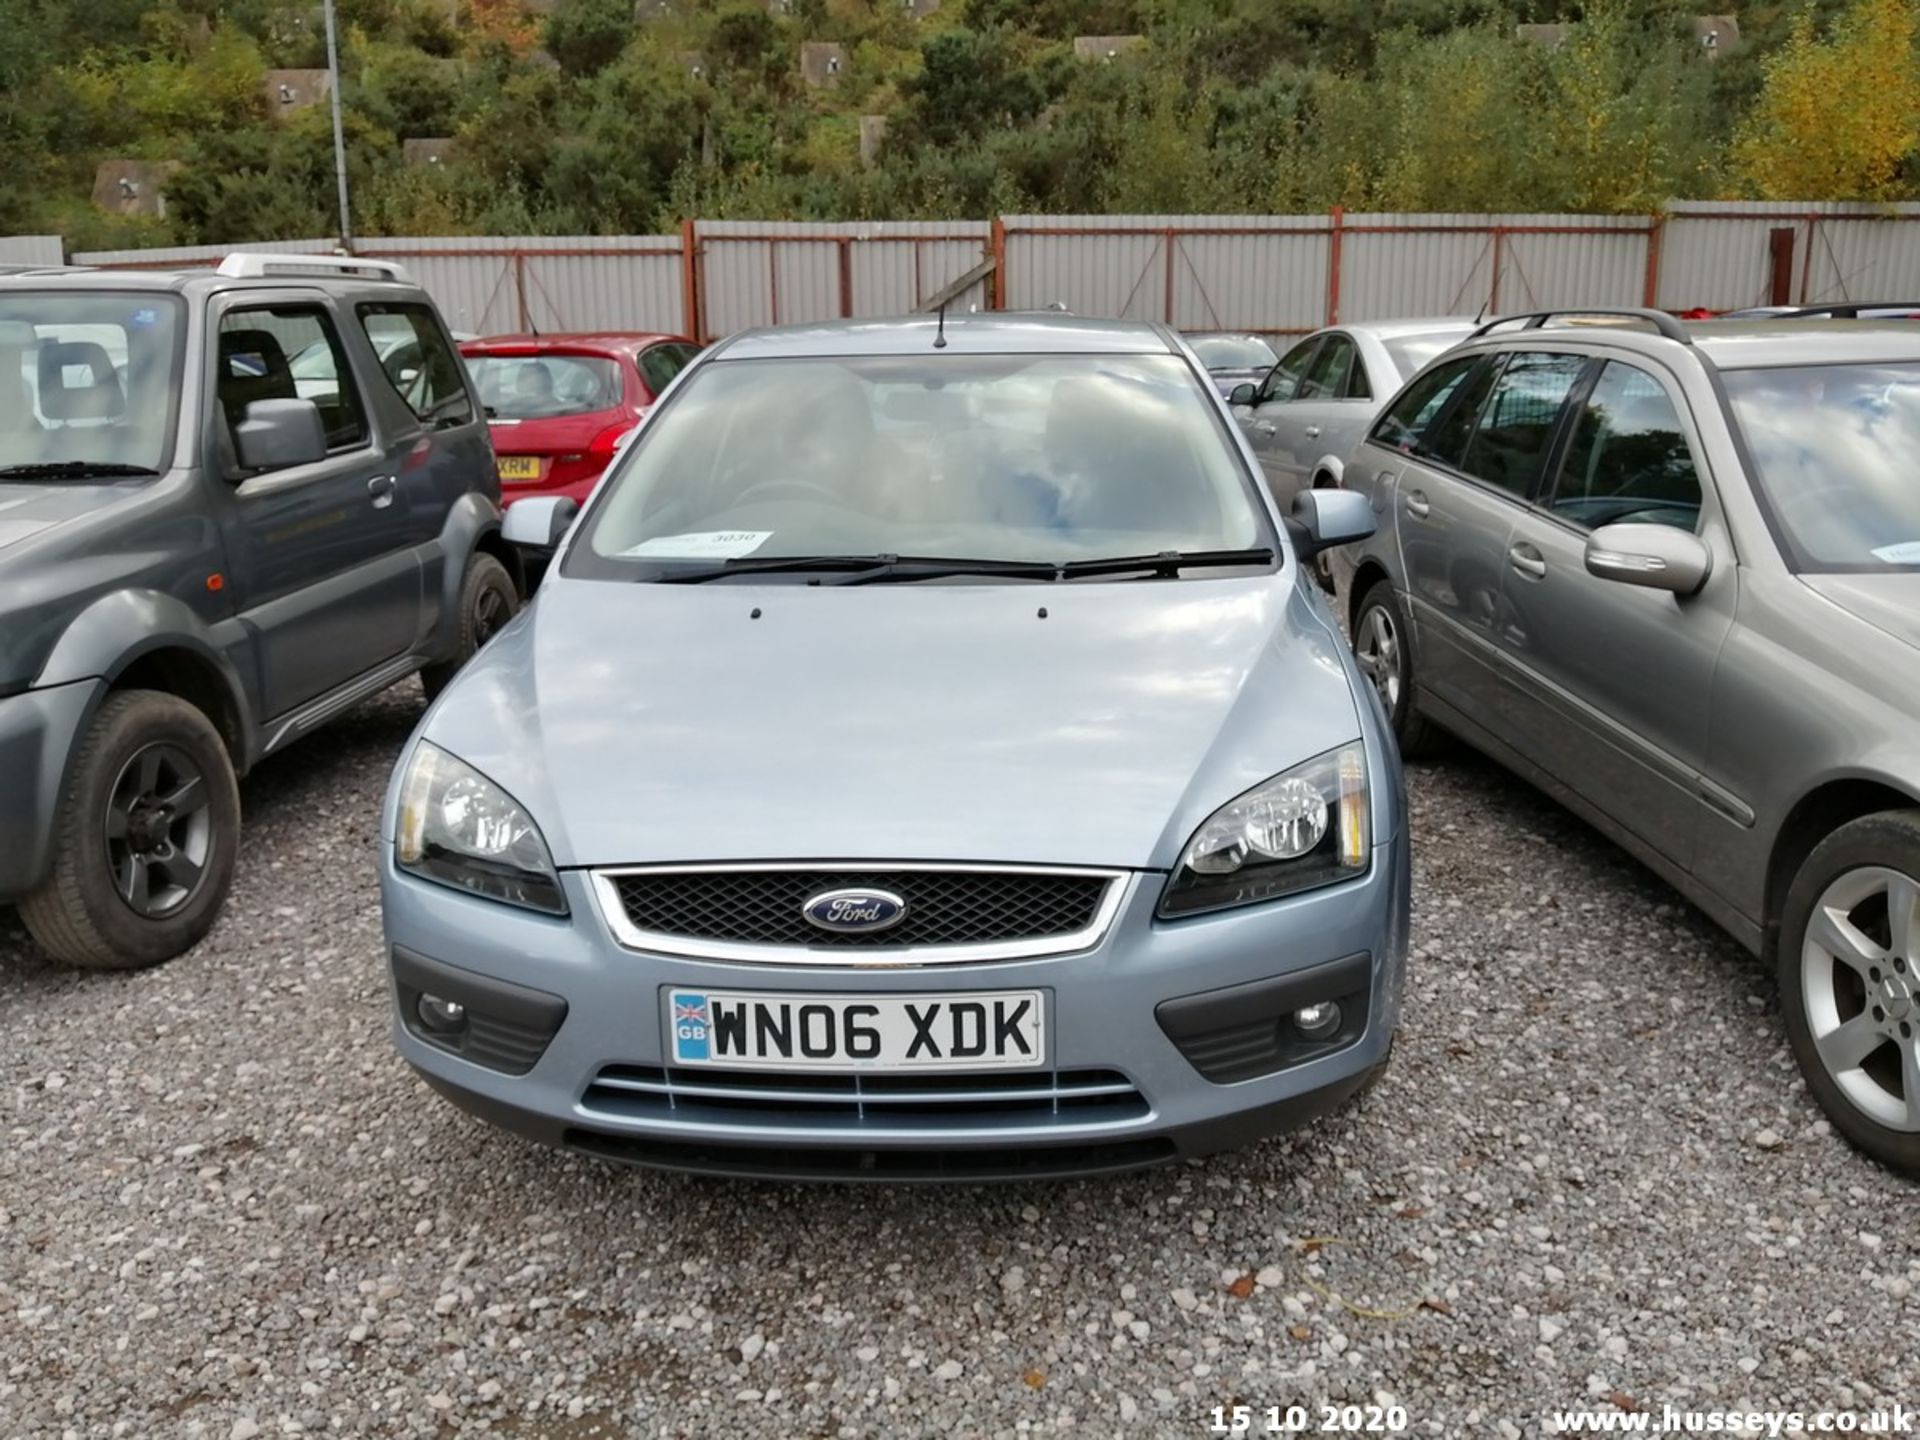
(806, 489)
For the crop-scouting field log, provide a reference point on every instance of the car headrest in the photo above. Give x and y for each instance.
(253, 366)
(78, 382)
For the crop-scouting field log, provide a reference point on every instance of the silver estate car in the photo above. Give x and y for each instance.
(1309, 411)
(1671, 574)
(922, 760)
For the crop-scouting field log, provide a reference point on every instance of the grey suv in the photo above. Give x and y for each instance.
(1672, 576)
(201, 560)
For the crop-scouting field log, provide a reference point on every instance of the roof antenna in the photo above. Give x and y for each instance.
(1483, 310)
(940, 333)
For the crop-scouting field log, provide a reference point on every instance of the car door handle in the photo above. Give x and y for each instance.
(1417, 505)
(380, 487)
(1263, 427)
(1313, 432)
(1527, 561)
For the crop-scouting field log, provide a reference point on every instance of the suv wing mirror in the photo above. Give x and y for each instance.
(538, 522)
(274, 434)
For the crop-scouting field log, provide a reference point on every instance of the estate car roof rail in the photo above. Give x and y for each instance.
(1533, 319)
(253, 265)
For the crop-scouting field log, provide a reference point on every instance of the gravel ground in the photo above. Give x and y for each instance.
(1591, 1177)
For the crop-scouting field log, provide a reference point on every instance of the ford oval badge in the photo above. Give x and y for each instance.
(849, 912)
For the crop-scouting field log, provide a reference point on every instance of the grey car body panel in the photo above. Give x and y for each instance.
(94, 575)
(1688, 729)
(740, 721)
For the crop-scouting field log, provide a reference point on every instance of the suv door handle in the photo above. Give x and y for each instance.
(1527, 561)
(1417, 505)
(1313, 432)
(380, 487)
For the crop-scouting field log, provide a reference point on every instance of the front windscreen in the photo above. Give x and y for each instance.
(1834, 448)
(1233, 352)
(88, 380)
(1047, 458)
(536, 387)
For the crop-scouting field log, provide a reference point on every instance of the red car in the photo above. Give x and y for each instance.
(560, 405)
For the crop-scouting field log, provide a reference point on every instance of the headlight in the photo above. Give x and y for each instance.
(458, 827)
(1308, 827)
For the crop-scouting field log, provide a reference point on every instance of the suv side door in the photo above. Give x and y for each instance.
(1614, 681)
(327, 583)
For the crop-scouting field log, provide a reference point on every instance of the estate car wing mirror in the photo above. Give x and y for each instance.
(274, 434)
(539, 522)
(1327, 518)
(1659, 557)
(1243, 394)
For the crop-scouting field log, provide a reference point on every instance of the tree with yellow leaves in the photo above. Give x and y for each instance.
(1837, 117)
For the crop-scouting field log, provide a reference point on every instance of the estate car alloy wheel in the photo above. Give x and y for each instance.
(1850, 982)
(145, 838)
(1380, 645)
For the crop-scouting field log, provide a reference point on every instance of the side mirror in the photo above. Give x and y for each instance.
(539, 522)
(1332, 517)
(1243, 394)
(1656, 556)
(274, 434)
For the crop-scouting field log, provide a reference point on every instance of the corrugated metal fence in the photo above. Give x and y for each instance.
(1282, 274)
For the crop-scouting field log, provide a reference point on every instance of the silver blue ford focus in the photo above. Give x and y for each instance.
(922, 760)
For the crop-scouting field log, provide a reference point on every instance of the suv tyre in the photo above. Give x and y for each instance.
(144, 846)
(488, 601)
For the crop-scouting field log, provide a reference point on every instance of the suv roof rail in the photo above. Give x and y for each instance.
(253, 265)
(1533, 319)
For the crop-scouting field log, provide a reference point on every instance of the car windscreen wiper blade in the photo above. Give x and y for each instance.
(779, 564)
(930, 567)
(1168, 562)
(73, 470)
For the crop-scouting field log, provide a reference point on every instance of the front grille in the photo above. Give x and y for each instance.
(943, 907)
(795, 1162)
(1027, 1100)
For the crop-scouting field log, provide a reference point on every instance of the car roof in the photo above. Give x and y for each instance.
(608, 341)
(1403, 329)
(197, 281)
(993, 333)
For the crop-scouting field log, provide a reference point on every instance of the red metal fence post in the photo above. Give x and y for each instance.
(997, 241)
(689, 285)
(1780, 265)
(846, 277)
(1333, 263)
(1656, 237)
(520, 285)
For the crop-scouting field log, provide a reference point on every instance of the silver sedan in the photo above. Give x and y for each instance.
(1313, 407)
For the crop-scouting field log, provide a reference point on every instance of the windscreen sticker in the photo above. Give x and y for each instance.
(1907, 552)
(700, 545)
(143, 319)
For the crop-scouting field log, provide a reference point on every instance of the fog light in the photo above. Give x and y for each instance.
(443, 1017)
(1316, 1022)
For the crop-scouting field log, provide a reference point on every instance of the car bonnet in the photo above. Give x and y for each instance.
(1078, 723)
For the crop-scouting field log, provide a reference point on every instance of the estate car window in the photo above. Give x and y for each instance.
(1628, 459)
(1327, 376)
(256, 349)
(1516, 427)
(1406, 421)
(1029, 458)
(1447, 437)
(419, 362)
(1282, 380)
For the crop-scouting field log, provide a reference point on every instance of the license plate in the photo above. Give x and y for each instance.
(519, 467)
(749, 1029)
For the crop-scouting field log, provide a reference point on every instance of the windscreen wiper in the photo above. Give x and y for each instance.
(778, 564)
(1165, 563)
(73, 470)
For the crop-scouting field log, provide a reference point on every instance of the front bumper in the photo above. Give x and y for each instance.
(39, 730)
(1139, 1006)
